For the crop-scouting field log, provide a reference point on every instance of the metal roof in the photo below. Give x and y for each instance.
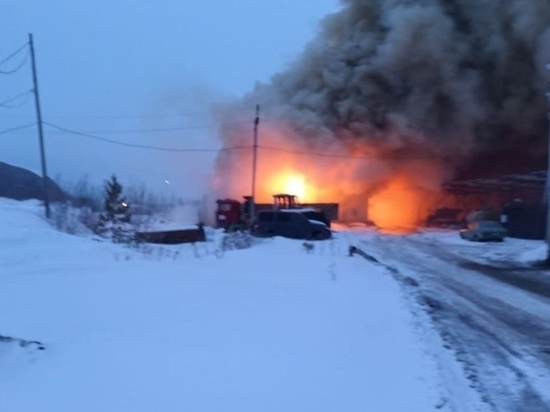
(527, 181)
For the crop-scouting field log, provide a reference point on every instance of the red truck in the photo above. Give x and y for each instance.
(234, 215)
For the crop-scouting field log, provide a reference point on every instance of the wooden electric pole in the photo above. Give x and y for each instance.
(547, 188)
(40, 129)
(254, 161)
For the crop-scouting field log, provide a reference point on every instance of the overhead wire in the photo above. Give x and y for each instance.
(16, 68)
(195, 113)
(308, 153)
(155, 130)
(11, 99)
(6, 59)
(130, 116)
(223, 149)
(140, 146)
(345, 156)
(13, 129)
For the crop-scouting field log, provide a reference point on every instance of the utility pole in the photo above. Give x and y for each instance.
(40, 129)
(547, 188)
(254, 161)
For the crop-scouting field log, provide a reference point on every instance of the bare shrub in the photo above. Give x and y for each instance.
(237, 241)
(68, 219)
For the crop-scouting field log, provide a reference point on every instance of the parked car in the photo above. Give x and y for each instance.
(484, 230)
(291, 223)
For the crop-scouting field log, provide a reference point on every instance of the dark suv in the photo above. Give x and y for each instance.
(291, 223)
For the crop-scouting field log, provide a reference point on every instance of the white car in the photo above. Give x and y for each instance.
(484, 230)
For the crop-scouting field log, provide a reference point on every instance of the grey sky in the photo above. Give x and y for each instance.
(126, 65)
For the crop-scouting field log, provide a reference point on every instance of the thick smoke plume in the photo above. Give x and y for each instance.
(426, 90)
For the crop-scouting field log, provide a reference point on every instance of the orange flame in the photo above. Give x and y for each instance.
(397, 206)
(391, 194)
(296, 186)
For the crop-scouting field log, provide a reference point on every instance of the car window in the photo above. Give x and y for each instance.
(489, 225)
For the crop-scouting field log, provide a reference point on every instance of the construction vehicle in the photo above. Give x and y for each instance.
(233, 215)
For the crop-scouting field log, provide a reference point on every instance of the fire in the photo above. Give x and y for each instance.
(392, 194)
(397, 206)
(295, 185)
(289, 182)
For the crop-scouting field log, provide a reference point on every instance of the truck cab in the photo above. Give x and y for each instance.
(228, 213)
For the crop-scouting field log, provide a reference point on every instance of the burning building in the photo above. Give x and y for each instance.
(393, 98)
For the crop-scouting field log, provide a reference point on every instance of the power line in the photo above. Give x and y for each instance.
(307, 153)
(130, 116)
(13, 129)
(155, 130)
(139, 146)
(345, 156)
(145, 116)
(13, 54)
(208, 112)
(152, 130)
(189, 150)
(11, 99)
(16, 68)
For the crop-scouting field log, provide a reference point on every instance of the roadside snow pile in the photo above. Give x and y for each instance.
(272, 328)
(535, 254)
(511, 251)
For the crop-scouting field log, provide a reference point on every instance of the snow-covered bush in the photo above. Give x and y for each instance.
(237, 240)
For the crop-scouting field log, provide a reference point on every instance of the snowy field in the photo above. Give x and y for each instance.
(271, 328)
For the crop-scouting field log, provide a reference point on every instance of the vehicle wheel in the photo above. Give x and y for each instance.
(319, 235)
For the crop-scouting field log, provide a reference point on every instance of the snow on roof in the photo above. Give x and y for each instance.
(302, 210)
(530, 181)
(317, 222)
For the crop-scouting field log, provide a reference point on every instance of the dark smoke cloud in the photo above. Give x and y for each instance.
(465, 77)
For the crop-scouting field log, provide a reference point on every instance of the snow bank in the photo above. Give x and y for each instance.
(512, 250)
(271, 328)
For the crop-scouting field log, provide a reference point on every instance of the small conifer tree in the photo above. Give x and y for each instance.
(114, 222)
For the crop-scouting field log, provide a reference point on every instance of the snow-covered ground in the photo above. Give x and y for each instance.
(510, 251)
(489, 303)
(88, 325)
(270, 328)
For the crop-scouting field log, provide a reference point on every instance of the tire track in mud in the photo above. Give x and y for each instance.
(494, 341)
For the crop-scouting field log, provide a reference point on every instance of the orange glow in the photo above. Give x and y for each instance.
(395, 195)
(397, 205)
(289, 183)
(295, 185)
